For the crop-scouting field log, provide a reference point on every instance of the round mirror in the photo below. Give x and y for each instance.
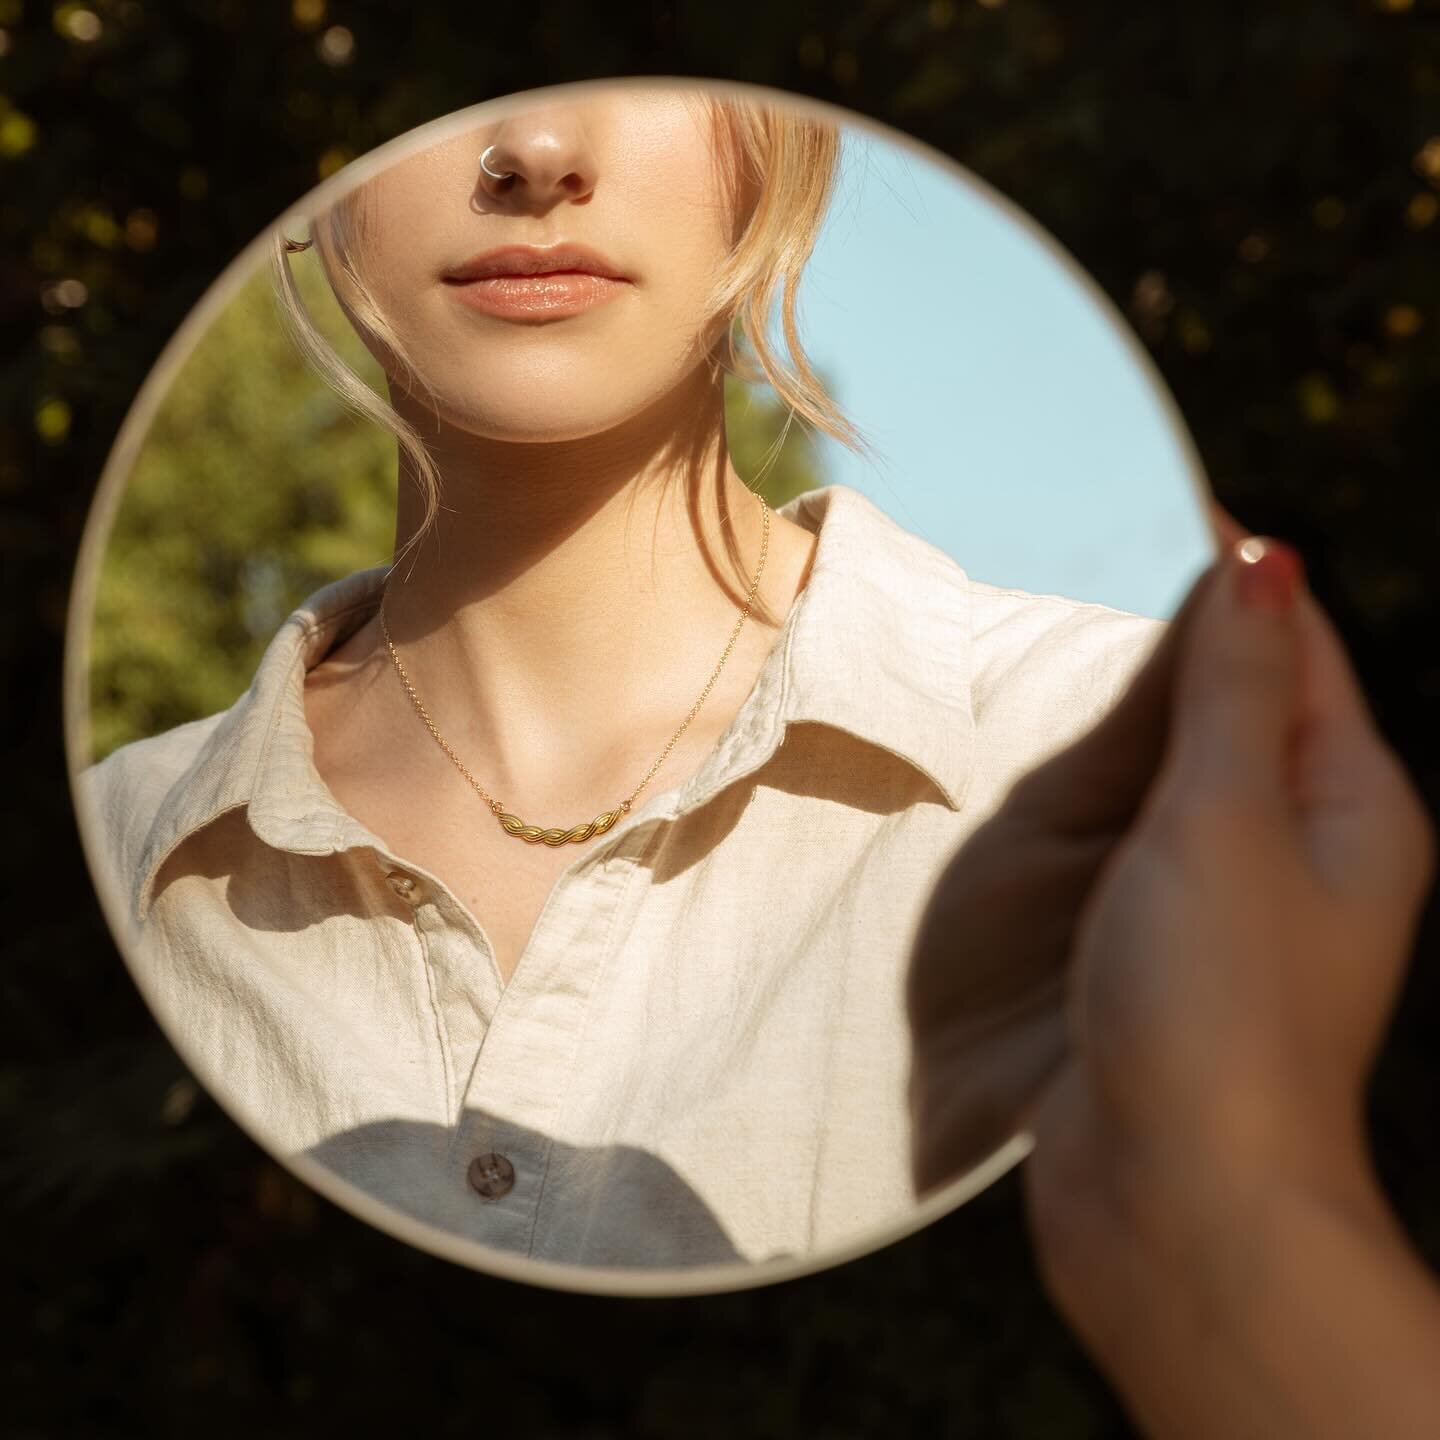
(546, 623)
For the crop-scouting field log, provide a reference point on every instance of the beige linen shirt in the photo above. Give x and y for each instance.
(702, 1054)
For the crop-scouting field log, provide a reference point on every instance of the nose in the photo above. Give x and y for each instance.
(538, 160)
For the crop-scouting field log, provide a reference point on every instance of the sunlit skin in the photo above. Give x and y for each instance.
(579, 588)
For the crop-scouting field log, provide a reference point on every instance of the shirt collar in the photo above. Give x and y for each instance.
(877, 644)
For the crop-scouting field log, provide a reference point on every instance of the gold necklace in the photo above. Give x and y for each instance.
(513, 824)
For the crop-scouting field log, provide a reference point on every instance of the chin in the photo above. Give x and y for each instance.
(535, 404)
(543, 420)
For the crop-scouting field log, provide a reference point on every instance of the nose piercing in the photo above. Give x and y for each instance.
(493, 174)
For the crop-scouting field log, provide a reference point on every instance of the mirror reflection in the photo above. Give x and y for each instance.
(573, 596)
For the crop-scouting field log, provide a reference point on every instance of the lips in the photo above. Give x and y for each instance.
(529, 285)
(560, 259)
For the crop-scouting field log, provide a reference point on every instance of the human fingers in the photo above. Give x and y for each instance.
(1345, 755)
(1237, 693)
(1364, 826)
(986, 987)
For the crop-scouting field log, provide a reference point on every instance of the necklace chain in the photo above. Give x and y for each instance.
(511, 823)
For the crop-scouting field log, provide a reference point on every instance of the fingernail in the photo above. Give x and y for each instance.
(1270, 573)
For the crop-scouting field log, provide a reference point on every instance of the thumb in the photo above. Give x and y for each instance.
(1238, 686)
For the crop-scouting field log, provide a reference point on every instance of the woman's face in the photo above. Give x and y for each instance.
(630, 174)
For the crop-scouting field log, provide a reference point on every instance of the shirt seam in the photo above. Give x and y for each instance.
(442, 1030)
(312, 623)
(1067, 601)
(604, 970)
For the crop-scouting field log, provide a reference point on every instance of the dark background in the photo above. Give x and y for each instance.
(1250, 183)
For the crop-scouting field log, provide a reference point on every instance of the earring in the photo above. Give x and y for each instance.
(292, 246)
(493, 174)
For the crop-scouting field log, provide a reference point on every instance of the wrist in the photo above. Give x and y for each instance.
(1199, 1202)
(1290, 1304)
(1127, 1223)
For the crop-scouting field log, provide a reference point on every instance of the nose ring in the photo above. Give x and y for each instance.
(493, 174)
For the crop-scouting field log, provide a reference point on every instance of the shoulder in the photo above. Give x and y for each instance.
(1018, 647)
(123, 794)
(1071, 657)
(1014, 629)
(187, 775)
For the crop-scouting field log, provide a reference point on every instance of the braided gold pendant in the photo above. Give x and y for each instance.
(514, 825)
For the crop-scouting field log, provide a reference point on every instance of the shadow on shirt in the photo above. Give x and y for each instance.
(817, 763)
(584, 1205)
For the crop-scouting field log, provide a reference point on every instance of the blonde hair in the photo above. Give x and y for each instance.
(791, 157)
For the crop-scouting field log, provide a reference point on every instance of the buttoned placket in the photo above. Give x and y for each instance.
(509, 1048)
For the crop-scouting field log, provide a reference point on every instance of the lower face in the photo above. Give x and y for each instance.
(565, 354)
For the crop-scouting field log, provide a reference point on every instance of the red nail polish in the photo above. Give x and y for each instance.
(1270, 573)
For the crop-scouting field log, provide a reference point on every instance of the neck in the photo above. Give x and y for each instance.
(574, 597)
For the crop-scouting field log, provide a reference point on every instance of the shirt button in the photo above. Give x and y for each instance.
(491, 1175)
(402, 884)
